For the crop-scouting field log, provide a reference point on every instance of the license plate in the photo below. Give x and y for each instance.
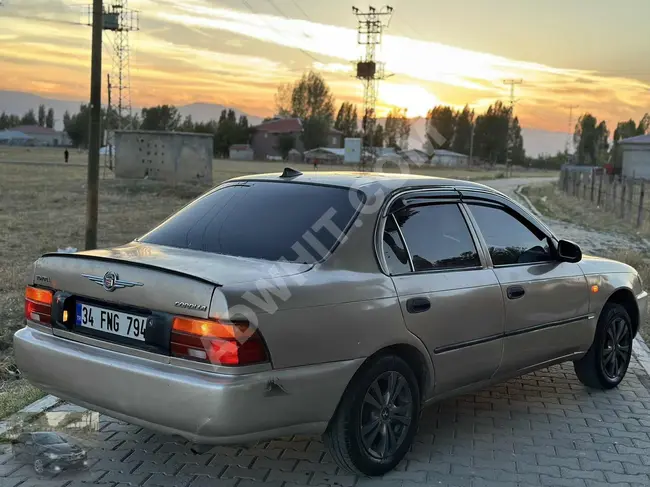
(109, 321)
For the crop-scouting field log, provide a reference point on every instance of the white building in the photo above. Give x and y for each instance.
(43, 135)
(442, 157)
(241, 152)
(636, 156)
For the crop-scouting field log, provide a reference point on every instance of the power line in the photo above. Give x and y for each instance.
(302, 10)
(306, 53)
(42, 19)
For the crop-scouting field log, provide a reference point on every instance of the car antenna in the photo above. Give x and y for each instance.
(290, 173)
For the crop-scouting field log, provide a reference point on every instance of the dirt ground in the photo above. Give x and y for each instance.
(42, 208)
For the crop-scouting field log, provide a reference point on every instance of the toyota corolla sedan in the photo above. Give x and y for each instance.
(338, 304)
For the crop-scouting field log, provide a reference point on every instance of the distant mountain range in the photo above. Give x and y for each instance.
(535, 141)
(18, 103)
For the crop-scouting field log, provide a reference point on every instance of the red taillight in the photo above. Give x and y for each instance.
(38, 305)
(217, 342)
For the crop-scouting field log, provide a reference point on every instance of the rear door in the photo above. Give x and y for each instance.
(546, 301)
(449, 299)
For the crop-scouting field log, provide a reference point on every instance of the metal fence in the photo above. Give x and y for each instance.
(622, 196)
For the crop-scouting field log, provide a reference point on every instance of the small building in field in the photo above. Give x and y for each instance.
(447, 158)
(267, 138)
(325, 155)
(636, 156)
(294, 156)
(44, 136)
(163, 156)
(241, 152)
(13, 137)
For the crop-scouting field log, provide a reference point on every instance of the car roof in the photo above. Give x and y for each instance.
(367, 181)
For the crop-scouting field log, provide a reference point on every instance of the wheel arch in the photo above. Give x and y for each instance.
(415, 359)
(625, 297)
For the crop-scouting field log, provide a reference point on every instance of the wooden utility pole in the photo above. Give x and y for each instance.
(92, 197)
(109, 125)
(471, 146)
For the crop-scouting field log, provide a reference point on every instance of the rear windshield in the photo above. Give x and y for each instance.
(296, 222)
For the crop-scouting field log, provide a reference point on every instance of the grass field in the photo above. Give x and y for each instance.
(42, 208)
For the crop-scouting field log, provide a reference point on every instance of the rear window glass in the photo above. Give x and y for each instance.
(262, 220)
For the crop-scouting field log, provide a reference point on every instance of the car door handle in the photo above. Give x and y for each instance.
(515, 292)
(418, 305)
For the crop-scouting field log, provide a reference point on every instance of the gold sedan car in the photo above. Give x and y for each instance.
(338, 304)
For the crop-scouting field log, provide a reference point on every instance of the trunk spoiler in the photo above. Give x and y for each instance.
(131, 263)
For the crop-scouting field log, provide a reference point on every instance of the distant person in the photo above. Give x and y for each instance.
(316, 164)
(66, 156)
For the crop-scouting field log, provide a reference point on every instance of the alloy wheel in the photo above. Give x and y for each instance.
(386, 414)
(617, 347)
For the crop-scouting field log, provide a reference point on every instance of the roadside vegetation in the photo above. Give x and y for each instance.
(557, 205)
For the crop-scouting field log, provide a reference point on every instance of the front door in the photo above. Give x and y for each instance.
(546, 301)
(449, 298)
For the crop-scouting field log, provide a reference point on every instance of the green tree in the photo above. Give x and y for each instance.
(443, 120)
(29, 118)
(8, 121)
(161, 117)
(591, 140)
(283, 96)
(516, 145)
(491, 133)
(66, 119)
(49, 119)
(347, 120)
(644, 125)
(315, 130)
(397, 129)
(312, 98)
(77, 126)
(378, 136)
(188, 124)
(286, 142)
(229, 131)
(462, 139)
(41, 115)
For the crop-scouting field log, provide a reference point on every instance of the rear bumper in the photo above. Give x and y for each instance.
(202, 407)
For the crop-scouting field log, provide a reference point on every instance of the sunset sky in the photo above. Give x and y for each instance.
(595, 54)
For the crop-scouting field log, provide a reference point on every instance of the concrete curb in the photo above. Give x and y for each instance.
(639, 347)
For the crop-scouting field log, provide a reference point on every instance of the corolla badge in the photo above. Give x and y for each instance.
(111, 281)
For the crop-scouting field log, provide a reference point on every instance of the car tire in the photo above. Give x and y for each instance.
(377, 418)
(605, 364)
(39, 466)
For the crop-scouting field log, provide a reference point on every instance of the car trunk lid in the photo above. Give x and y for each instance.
(143, 285)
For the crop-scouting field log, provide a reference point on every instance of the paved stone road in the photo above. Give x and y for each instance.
(544, 429)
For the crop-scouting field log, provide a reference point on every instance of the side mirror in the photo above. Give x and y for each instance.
(569, 251)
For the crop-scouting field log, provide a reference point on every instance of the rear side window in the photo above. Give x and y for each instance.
(397, 258)
(437, 237)
(262, 220)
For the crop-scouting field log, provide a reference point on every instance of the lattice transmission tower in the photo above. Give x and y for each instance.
(118, 22)
(370, 33)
